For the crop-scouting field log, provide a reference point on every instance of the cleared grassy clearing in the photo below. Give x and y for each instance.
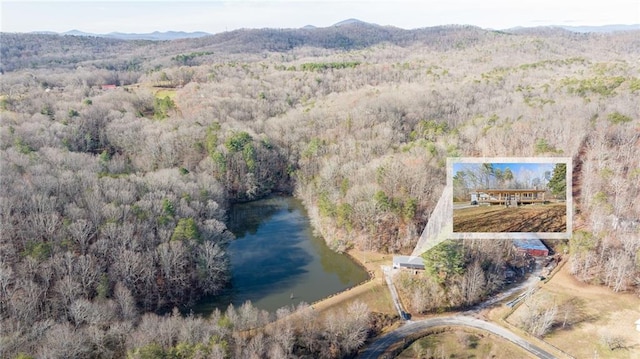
(589, 318)
(462, 343)
(164, 92)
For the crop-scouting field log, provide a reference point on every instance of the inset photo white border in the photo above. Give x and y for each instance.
(514, 235)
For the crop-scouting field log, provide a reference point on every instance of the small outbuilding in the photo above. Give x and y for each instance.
(531, 246)
(408, 262)
(638, 325)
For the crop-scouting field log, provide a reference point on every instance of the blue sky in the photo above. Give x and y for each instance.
(219, 16)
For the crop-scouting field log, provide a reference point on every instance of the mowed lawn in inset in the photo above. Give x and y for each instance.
(527, 218)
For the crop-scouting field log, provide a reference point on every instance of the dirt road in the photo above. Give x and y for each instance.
(388, 276)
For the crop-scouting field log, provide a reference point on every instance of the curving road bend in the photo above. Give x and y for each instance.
(378, 347)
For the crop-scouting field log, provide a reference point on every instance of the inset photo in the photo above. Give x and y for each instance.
(510, 197)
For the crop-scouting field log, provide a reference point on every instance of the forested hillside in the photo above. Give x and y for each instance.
(113, 202)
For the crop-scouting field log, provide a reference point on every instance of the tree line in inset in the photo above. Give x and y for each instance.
(475, 177)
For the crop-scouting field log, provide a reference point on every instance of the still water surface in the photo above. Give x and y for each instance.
(276, 257)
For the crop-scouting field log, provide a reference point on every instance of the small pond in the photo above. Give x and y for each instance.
(276, 260)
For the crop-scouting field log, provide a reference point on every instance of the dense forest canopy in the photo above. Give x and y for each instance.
(114, 197)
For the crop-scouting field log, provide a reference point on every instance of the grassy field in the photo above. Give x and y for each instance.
(594, 318)
(528, 218)
(164, 92)
(463, 343)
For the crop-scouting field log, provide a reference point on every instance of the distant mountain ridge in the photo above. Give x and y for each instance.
(353, 21)
(603, 28)
(575, 29)
(345, 35)
(153, 36)
(174, 35)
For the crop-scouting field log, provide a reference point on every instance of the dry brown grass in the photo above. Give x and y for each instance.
(593, 313)
(463, 343)
(528, 218)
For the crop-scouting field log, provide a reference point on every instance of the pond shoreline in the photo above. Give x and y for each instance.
(372, 262)
(371, 276)
(276, 259)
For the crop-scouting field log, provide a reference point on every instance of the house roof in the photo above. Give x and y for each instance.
(408, 260)
(529, 243)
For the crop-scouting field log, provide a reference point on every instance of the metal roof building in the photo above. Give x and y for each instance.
(408, 262)
(531, 246)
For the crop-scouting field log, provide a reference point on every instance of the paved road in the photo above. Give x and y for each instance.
(378, 347)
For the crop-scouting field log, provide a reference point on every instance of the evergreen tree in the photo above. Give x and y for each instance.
(558, 181)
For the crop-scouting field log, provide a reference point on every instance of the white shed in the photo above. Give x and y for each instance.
(638, 325)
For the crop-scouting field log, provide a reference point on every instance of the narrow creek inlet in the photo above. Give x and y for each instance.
(276, 260)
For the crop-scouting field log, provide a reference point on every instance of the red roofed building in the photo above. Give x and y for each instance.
(532, 246)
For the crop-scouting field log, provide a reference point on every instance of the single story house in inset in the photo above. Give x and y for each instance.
(408, 262)
(532, 246)
(511, 196)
